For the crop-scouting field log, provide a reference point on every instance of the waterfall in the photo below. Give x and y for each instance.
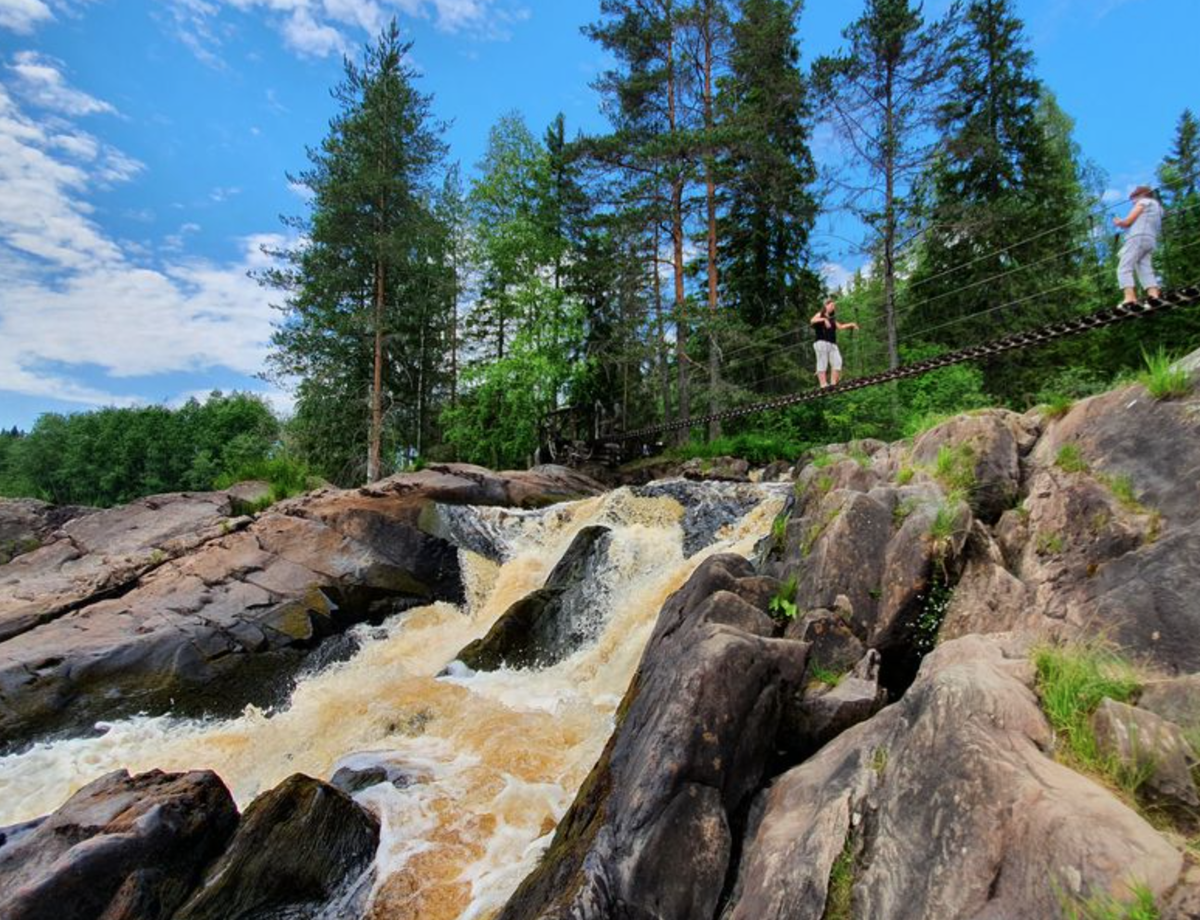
(481, 766)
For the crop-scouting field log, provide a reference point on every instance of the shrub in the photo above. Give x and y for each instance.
(1163, 377)
(783, 604)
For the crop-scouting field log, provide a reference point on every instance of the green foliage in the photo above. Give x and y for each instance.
(779, 531)
(752, 446)
(1070, 459)
(783, 604)
(1105, 907)
(1057, 406)
(955, 467)
(1071, 682)
(905, 475)
(903, 509)
(839, 899)
(1163, 378)
(287, 475)
(113, 456)
(826, 676)
(932, 612)
(879, 760)
(1121, 487)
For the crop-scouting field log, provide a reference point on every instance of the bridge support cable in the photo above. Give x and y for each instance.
(1183, 297)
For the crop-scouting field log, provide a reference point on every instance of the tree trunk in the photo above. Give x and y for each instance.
(677, 182)
(714, 360)
(376, 437)
(660, 347)
(889, 229)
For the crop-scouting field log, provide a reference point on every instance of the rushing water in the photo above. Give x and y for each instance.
(492, 760)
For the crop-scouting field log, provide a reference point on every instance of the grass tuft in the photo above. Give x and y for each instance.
(1070, 459)
(1163, 377)
(955, 468)
(1106, 907)
(905, 475)
(839, 899)
(826, 676)
(1057, 406)
(1071, 681)
(783, 604)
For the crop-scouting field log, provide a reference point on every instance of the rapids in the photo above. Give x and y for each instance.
(491, 760)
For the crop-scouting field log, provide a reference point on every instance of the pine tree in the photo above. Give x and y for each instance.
(1009, 222)
(767, 175)
(359, 291)
(882, 94)
(1180, 178)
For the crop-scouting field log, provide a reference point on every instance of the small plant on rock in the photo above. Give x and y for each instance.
(779, 531)
(1140, 906)
(1050, 544)
(1163, 377)
(839, 899)
(783, 604)
(1070, 459)
(955, 467)
(826, 676)
(1057, 406)
(905, 475)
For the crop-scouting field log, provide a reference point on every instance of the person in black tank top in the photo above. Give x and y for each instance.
(826, 327)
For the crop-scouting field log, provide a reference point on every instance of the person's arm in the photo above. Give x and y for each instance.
(847, 325)
(817, 320)
(1127, 222)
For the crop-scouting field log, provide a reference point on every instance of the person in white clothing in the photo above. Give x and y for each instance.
(1144, 224)
(826, 327)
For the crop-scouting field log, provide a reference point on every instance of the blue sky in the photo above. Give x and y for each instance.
(144, 146)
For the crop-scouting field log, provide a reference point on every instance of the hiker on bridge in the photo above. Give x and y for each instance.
(826, 326)
(1144, 224)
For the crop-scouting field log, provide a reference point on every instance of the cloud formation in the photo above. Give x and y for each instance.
(22, 16)
(76, 298)
(318, 28)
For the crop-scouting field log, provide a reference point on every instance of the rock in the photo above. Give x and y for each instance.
(707, 507)
(822, 713)
(168, 604)
(249, 495)
(953, 807)
(649, 834)
(832, 644)
(1184, 902)
(298, 847)
(546, 626)
(122, 847)
(1144, 742)
(776, 471)
(993, 442)
(1176, 700)
(364, 770)
(26, 523)
(717, 469)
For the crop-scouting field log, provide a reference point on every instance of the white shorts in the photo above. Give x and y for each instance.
(827, 356)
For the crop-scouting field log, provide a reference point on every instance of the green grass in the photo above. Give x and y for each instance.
(826, 676)
(955, 467)
(783, 604)
(1162, 377)
(1057, 406)
(905, 475)
(879, 760)
(903, 509)
(1050, 544)
(1121, 487)
(916, 426)
(779, 530)
(822, 460)
(839, 900)
(860, 456)
(755, 447)
(286, 476)
(1105, 907)
(1071, 682)
(1070, 459)
(945, 522)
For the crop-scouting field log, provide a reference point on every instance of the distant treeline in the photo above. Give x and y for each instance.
(112, 456)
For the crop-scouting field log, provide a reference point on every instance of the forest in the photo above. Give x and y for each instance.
(666, 269)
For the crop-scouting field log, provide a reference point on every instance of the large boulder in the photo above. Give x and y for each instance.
(549, 624)
(171, 604)
(707, 507)
(651, 832)
(1145, 743)
(298, 847)
(946, 804)
(121, 848)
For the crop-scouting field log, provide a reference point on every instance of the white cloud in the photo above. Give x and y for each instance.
(40, 80)
(73, 296)
(318, 28)
(224, 193)
(23, 15)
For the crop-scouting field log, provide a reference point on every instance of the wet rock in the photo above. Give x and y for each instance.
(1144, 742)
(122, 847)
(954, 808)
(707, 507)
(649, 834)
(1176, 700)
(1184, 902)
(362, 771)
(549, 624)
(298, 847)
(170, 604)
(776, 471)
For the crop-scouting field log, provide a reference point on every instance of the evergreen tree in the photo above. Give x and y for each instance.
(1009, 222)
(361, 289)
(882, 94)
(1179, 175)
(767, 175)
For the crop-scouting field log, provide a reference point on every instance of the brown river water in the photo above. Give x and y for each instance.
(494, 759)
